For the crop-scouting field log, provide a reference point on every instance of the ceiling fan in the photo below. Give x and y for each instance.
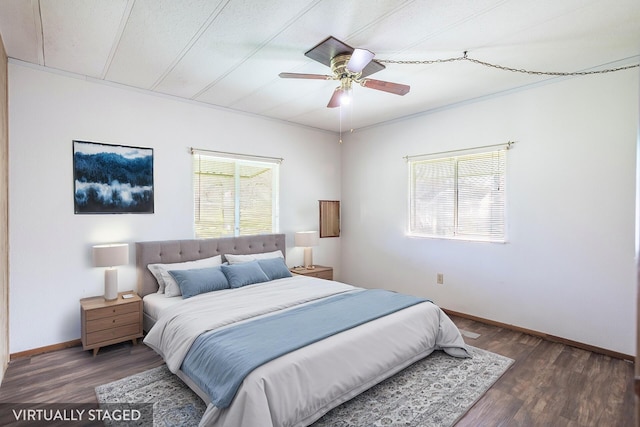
(348, 66)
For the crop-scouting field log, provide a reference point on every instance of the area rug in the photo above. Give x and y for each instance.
(435, 391)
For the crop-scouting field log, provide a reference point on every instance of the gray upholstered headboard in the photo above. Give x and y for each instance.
(170, 251)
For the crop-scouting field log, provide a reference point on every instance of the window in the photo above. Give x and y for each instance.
(234, 196)
(460, 197)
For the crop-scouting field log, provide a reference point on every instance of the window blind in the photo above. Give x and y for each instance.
(459, 197)
(234, 197)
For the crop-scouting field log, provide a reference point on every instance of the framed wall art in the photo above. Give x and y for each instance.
(109, 179)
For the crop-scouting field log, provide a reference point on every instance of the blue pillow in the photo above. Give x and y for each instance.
(274, 268)
(200, 280)
(244, 274)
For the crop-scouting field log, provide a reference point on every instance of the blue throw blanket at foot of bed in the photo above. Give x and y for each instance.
(218, 361)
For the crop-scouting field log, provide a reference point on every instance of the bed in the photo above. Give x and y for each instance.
(290, 383)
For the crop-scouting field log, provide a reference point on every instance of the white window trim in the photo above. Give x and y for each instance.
(456, 154)
(240, 159)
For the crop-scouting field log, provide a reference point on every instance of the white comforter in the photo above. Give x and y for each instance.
(298, 388)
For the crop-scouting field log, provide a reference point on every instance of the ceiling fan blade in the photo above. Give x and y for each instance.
(335, 98)
(330, 47)
(359, 59)
(395, 88)
(372, 67)
(305, 76)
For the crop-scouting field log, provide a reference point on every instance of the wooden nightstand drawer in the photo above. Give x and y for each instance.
(320, 271)
(112, 322)
(115, 310)
(113, 334)
(326, 274)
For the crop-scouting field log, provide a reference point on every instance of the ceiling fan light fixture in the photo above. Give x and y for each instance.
(346, 91)
(345, 98)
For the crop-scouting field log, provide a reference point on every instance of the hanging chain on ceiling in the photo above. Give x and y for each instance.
(502, 67)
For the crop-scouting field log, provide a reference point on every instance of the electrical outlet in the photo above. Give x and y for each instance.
(440, 279)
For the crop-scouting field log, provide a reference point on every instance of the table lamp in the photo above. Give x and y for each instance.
(109, 256)
(307, 239)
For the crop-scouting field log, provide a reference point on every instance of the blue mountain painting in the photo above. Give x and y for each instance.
(112, 178)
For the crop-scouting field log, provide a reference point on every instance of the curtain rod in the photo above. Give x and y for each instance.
(235, 155)
(507, 146)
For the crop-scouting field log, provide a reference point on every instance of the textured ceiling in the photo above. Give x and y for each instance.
(229, 53)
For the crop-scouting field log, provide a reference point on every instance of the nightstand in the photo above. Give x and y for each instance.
(319, 271)
(110, 322)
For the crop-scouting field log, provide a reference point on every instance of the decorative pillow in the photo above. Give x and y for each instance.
(200, 280)
(244, 274)
(156, 270)
(165, 280)
(274, 268)
(237, 259)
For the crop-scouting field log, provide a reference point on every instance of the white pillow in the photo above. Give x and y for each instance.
(156, 270)
(166, 282)
(237, 259)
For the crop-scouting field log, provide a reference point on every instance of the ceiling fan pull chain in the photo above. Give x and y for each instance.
(340, 116)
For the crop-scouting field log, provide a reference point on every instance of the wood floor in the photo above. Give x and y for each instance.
(549, 384)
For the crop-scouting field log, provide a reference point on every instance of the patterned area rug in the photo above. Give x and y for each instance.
(435, 391)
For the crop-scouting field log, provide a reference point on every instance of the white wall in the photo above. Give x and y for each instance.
(572, 171)
(568, 267)
(50, 246)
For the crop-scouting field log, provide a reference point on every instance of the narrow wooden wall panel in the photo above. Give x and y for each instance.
(4, 213)
(329, 218)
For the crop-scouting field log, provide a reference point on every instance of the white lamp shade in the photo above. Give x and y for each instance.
(306, 238)
(111, 255)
